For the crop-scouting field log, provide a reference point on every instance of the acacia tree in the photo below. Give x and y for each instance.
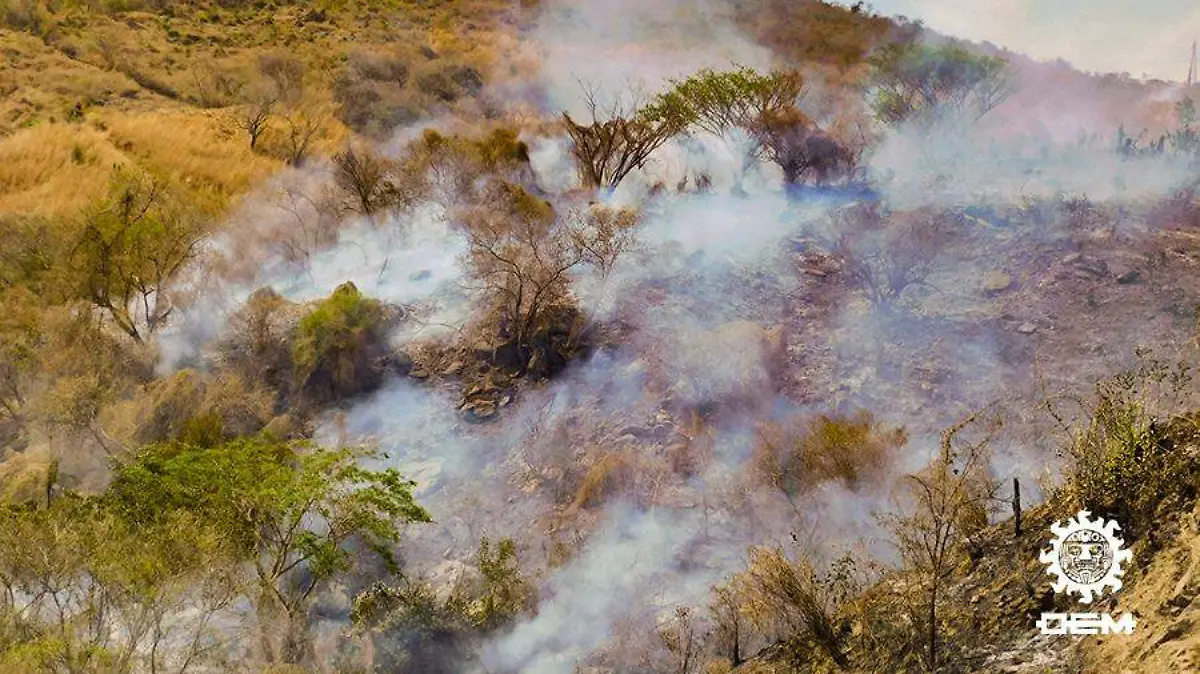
(721, 101)
(767, 108)
(619, 138)
(924, 84)
(290, 509)
(132, 245)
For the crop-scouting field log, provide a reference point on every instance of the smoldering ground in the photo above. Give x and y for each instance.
(976, 328)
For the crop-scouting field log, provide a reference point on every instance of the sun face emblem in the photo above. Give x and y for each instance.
(1086, 556)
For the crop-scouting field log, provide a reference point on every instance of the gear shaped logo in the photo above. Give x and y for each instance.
(1087, 556)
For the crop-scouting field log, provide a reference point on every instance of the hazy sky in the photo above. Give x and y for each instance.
(1136, 36)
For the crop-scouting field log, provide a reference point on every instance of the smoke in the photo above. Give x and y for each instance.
(617, 46)
(410, 260)
(743, 251)
(971, 167)
(631, 564)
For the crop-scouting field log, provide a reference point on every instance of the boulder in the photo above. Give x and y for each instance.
(996, 282)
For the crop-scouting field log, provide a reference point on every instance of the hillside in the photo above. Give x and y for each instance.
(581, 336)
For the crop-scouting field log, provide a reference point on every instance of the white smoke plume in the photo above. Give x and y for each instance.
(743, 251)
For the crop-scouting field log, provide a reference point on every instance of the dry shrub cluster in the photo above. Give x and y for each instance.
(372, 93)
(379, 90)
(885, 254)
(194, 407)
(796, 455)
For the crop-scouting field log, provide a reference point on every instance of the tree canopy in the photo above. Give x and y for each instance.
(925, 84)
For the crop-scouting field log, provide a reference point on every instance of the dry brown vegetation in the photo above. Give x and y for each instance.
(129, 132)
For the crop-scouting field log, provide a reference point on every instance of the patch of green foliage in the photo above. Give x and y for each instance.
(334, 343)
(925, 84)
(1129, 465)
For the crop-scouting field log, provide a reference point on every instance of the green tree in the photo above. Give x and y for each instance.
(503, 593)
(85, 590)
(131, 247)
(924, 84)
(722, 101)
(292, 509)
(767, 109)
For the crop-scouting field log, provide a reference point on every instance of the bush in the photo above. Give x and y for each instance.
(339, 345)
(451, 82)
(379, 67)
(373, 108)
(1128, 465)
(850, 449)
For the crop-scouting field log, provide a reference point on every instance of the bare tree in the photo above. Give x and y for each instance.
(363, 175)
(683, 640)
(619, 138)
(731, 628)
(302, 129)
(255, 117)
(886, 255)
(602, 234)
(373, 183)
(954, 497)
(313, 225)
(522, 255)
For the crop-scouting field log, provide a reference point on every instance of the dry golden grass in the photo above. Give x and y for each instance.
(88, 90)
(201, 149)
(54, 169)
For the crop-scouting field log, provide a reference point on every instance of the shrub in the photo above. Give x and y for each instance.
(338, 345)
(379, 67)
(450, 82)
(1127, 465)
(374, 101)
(851, 449)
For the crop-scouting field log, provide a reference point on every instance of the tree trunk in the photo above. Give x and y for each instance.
(1017, 507)
(933, 663)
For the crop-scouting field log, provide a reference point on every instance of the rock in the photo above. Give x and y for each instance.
(1131, 276)
(996, 281)
(1098, 268)
(1027, 328)
(399, 363)
(480, 410)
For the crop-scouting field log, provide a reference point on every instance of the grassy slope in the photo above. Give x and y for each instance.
(85, 90)
(89, 89)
